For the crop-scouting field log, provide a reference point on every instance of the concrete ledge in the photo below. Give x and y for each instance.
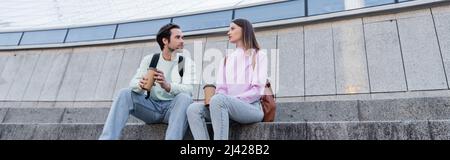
(33, 115)
(431, 108)
(57, 115)
(428, 108)
(73, 131)
(385, 130)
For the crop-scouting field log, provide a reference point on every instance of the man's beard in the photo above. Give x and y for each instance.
(171, 49)
(176, 50)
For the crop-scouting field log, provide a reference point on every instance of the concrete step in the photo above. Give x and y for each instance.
(429, 108)
(333, 130)
(57, 115)
(436, 108)
(413, 118)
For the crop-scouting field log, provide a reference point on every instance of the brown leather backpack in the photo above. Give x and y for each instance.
(268, 103)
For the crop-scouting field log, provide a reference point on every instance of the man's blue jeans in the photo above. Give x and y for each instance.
(150, 111)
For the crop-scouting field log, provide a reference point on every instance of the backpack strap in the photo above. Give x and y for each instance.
(155, 60)
(181, 66)
(224, 69)
(225, 61)
(153, 64)
(253, 60)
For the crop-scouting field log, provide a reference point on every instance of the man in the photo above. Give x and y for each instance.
(169, 97)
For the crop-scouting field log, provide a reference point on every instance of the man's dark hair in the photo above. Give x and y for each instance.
(165, 32)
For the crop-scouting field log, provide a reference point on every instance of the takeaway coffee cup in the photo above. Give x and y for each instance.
(209, 90)
(150, 78)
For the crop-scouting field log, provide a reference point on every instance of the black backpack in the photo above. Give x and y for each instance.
(154, 63)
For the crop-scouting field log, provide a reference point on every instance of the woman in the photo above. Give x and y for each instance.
(240, 83)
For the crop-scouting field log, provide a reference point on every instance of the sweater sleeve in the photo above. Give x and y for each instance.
(140, 73)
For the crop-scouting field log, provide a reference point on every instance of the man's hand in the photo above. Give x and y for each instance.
(143, 82)
(161, 79)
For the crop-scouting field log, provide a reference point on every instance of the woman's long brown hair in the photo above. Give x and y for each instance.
(248, 34)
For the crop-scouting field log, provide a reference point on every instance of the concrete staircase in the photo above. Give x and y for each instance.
(388, 119)
(333, 70)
